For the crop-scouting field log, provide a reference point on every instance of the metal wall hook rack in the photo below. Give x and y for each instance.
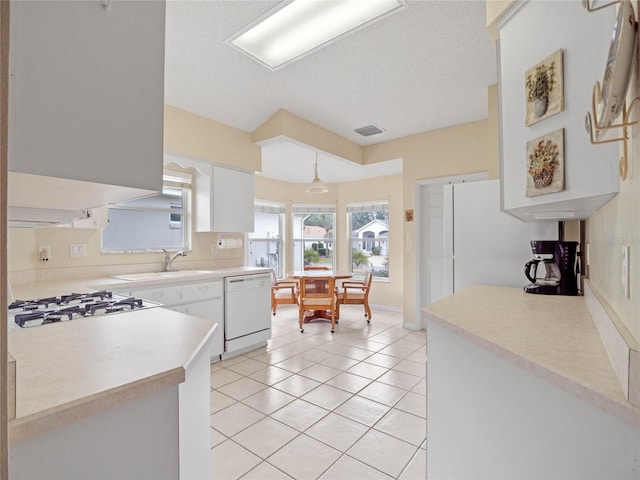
(592, 127)
(587, 5)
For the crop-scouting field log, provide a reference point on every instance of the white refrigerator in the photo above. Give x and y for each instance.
(482, 244)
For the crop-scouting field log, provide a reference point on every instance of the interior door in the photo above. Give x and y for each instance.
(434, 253)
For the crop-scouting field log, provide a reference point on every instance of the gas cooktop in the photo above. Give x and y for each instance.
(43, 311)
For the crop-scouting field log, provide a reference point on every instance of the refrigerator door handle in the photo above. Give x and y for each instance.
(447, 218)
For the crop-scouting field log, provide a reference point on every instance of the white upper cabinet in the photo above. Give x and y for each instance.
(86, 92)
(223, 196)
(529, 33)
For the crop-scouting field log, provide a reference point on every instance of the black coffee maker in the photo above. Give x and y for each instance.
(553, 268)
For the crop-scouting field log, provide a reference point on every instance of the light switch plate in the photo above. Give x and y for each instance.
(626, 253)
(77, 250)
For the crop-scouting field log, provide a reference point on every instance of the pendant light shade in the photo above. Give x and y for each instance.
(316, 186)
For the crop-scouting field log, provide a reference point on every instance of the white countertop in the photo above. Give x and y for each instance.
(115, 282)
(552, 336)
(70, 370)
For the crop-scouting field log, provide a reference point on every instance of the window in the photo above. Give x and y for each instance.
(265, 243)
(313, 235)
(154, 222)
(369, 226)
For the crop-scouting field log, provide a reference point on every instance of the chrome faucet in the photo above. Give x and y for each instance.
(169, 258)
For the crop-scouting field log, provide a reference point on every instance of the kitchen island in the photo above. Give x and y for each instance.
(521, 386)
(118, 396)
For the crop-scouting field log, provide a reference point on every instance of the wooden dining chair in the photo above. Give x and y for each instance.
(283, 292)
(355, 292)
(317, 294)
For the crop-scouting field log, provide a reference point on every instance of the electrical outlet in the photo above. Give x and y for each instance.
(44, 253)
(626, 252)
(77, 249)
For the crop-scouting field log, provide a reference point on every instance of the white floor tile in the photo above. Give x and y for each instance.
(270, 375)
(417, 468)
(383, 452)
(219, 401)
(223, 376)
(413, 403)
(242, 388)
(304, 458)
(268, 400)
(404, 426)
(235, 418)
(216, 438)
(296, 385)
(349, 382)
(337, 431)
(362, 410)
(348, 468)
(247, 366)
(367, 370)
(294, 364)
(230, 461)
(348, 406)
(399, 379)
(412, 368)
(264, 471)
(382, 360)
(382, 393)
(320, 373)
(341, 363)
(326, 396)
(299, 414)
(265, 437)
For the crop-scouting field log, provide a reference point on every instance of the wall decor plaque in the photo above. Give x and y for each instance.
(544, 88)
(545, 164)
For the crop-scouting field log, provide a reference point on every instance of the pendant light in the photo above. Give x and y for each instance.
(316, 186)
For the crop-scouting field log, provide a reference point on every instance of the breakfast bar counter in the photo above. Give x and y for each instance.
(111, 392)
(530, 373)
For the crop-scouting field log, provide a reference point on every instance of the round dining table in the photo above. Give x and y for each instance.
(336, 274)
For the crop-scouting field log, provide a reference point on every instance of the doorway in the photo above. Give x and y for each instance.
(430, 245)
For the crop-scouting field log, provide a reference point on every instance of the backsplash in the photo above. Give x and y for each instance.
(24, 265)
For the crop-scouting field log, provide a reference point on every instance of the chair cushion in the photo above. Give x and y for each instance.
(351, 296)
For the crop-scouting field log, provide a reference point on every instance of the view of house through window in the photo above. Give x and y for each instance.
(369, 225)
(264, 248)
(154, 222)
(313, 236)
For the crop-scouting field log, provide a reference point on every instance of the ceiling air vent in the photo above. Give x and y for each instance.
(369, 130)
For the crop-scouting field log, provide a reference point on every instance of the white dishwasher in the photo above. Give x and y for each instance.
(247, 311)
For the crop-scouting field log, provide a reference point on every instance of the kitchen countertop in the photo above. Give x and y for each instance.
(551, 336)
(70, 370)
(116, 282)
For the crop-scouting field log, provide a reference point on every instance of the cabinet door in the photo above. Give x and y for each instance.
(211, 310)
(232, 200)
(86, 92)
(529, 35)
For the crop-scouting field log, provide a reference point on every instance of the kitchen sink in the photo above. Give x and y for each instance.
(160, 275)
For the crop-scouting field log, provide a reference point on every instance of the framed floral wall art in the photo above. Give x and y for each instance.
(545, 164)
(544, 88)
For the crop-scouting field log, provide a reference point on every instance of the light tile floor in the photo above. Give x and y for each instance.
(349, 405)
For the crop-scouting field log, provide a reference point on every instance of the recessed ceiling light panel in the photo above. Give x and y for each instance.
(294, 29)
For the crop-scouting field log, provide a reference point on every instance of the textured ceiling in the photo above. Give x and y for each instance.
(424, 68)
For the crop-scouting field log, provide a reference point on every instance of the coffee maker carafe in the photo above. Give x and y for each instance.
(552, 270)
